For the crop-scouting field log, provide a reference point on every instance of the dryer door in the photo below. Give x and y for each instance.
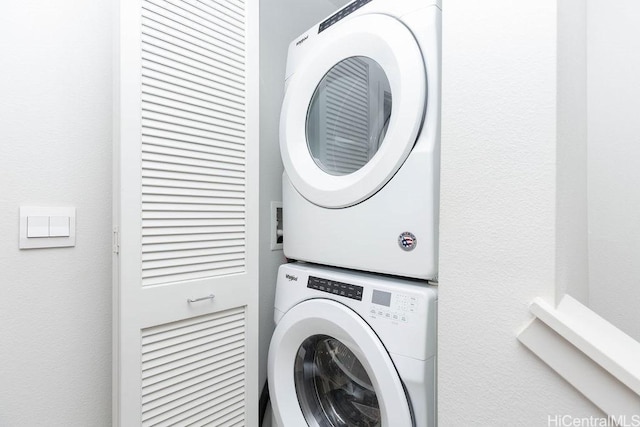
(327, 367)
(353, 110)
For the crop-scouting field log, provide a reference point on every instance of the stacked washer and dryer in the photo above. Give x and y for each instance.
(355, 337)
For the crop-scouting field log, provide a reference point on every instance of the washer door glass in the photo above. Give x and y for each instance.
(348, 115)
(333, 388)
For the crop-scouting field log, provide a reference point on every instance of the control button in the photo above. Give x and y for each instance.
(37, 226)
(59, 226)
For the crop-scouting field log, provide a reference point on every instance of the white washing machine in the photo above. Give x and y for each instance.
(360, 137)
(352, 349)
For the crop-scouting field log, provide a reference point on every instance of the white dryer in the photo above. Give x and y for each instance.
(352, 349)
(360, 137)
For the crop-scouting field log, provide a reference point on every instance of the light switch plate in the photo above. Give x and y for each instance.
(59, 233)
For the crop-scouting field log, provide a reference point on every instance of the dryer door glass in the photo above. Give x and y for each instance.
(333, 388)
(348, 115)
(340, 141)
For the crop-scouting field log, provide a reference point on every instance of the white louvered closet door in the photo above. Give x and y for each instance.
(186, 196)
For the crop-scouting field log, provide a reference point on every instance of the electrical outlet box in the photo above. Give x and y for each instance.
(277, 235)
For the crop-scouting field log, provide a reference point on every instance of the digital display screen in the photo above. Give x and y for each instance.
(381, 298)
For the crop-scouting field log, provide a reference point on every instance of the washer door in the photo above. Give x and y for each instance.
(328, 368)
(353, 110)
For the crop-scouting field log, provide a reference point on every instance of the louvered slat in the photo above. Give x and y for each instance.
(164, 184)
(194, 246)
(152, 226)
(229, 412)
(200, 117)
(177, 255)
(186, 216)
(179, 90)
(183, 37)
(192, 230)
(174, 121)
(209, 377)
(186, 158)
(188, 179)
(162, 66)
(193, 139)
(187, 25)
(232, 416)
(187, 16)
(180, 102)
(173, 362)
(193, 370)
(191, 390)
(206, 245)
(191, 208)
(176, 414)
(182, 127)
(192, 192)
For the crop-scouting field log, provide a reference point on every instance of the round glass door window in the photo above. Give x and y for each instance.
(348, 115)
(333, 387)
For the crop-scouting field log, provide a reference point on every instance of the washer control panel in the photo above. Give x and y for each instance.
(395, 307)
(346, 290)
(345, 11)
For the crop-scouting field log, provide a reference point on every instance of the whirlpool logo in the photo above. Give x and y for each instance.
(291, 278)
(299, 42)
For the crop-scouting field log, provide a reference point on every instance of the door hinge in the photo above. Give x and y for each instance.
(116, 240)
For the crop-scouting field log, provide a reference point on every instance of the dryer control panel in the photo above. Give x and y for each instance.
(345, 11)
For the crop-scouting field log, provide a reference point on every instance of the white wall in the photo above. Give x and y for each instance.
(614, 161)
(572, 258)
(280, 22)
(55, 149)
(498, 213)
